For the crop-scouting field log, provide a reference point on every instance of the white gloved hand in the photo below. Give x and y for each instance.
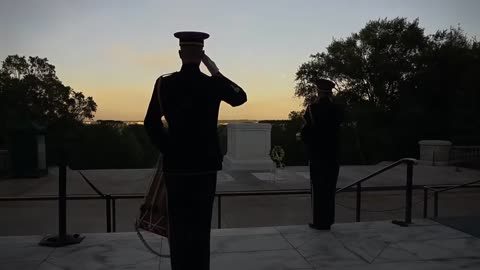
(212, 68)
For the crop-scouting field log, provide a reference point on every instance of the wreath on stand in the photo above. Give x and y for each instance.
(277, 154)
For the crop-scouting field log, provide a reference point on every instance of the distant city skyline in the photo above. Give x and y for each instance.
(114, 50)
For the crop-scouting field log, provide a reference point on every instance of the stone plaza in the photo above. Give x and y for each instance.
(365, 245)
(258, 232)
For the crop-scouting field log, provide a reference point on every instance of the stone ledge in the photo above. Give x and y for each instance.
(363, 245)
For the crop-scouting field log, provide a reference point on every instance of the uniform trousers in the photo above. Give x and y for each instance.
(190, 202)
(323, 178)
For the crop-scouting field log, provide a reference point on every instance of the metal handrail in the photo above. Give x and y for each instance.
(408, 188)
(110, 199)
(395, 164)
(110, 212)
(50, 198)
(438, 191)
(452, 187)
(92, 185)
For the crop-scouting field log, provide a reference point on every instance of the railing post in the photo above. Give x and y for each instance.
(435, 204)
(408, 197)
(219, 212)
(114, 215)
(62, 239)
(359, 202)
(108, 212)
(62, 201)
(425, 202)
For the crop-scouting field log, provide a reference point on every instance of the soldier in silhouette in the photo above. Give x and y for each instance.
(190, 100)
(321, 136)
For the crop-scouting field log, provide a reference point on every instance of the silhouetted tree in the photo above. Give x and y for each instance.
(369, 66)
(400, 85)
(445, 93)
(30, 92)
(109, 144)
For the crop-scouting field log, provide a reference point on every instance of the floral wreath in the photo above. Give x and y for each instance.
(277, 154)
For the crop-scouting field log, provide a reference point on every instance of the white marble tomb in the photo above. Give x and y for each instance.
(434, 152)
(248, 147)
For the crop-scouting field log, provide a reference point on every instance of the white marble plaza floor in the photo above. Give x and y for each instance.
(366, 245)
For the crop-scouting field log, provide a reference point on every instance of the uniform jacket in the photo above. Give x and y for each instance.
(321, 130)
(189, 100)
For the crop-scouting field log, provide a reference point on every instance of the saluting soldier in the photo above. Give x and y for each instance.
(190, 100)
(321, 136)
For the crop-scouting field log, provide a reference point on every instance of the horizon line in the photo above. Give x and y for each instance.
(86, 121)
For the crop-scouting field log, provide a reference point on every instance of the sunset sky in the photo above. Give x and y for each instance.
(114, 50)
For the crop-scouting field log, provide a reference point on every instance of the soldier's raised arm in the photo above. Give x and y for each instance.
(157, 132)
(228, 91)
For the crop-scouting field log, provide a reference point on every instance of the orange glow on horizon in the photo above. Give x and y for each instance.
(123, 92)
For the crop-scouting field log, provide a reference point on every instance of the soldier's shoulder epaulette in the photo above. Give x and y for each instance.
(165, 76)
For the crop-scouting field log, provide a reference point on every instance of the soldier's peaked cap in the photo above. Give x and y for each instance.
(324, 85)
(191, 38)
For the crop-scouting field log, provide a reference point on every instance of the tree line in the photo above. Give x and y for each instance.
(398, 85)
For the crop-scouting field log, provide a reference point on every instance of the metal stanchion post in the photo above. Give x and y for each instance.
(359, 202)
(408, 197)
(409, 194)
(219, 212)
(114, 216)
(425, 202)
(62, 239)
(108, 212)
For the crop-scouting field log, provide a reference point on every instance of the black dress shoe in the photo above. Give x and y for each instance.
(319, 227)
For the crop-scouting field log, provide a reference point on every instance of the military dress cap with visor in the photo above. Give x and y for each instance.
(191, 38)
(324, 85)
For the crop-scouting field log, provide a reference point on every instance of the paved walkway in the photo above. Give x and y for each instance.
(470, 225)
(136, 180)
(371, 245)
